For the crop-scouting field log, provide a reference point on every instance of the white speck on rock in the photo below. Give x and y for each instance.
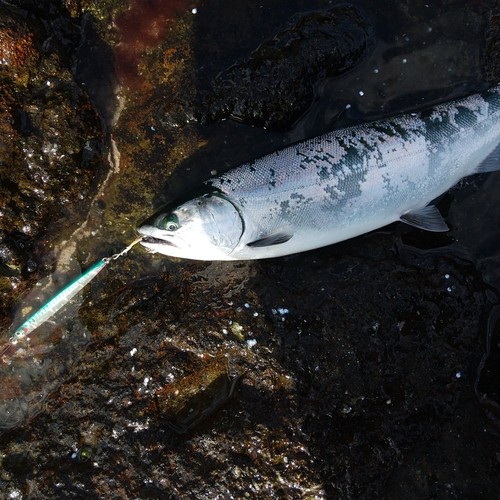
(139, 426)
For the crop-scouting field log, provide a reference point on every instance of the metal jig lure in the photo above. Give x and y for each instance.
(64, 296)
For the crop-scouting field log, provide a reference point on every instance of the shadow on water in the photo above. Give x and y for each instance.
(33, 366)
(382, 338)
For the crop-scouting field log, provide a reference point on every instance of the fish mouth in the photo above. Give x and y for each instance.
(150, 240)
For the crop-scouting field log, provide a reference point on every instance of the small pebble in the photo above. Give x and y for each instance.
(237, 331)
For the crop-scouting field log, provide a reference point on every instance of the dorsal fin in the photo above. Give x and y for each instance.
(272, 239)
(427, 218)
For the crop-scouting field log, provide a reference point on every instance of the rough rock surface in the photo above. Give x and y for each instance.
(276, 84)
(50, 151)
(367, 369)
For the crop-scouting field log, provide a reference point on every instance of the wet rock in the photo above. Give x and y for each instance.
(187, 403)
(360, 360)
(141, 29)
(51, 149)
(358, 363)
(365, 393)
(492, 46)
(488, 371)
(275, 85)
(93, 70)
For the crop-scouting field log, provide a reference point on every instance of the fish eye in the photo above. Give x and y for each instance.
(171, 222)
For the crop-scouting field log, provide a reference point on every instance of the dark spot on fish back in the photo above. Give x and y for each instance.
(465, 117)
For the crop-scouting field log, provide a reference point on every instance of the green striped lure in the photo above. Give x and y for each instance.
(57, 302)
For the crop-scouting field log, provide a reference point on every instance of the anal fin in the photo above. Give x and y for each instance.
(273, 239)
(427, 218)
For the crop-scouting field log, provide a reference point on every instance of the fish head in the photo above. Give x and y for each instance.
(205, 227)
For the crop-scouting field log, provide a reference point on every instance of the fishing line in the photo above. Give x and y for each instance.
(59, 300)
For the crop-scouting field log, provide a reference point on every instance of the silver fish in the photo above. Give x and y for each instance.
(334, 187)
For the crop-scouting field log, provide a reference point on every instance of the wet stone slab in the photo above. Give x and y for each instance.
(51, 152)
(366, 369)
(341, 393)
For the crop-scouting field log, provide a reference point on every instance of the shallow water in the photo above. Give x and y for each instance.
(368, 368)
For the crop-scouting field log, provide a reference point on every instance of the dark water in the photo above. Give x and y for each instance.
(367, 369)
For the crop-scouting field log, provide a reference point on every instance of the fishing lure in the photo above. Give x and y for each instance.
(57, 302)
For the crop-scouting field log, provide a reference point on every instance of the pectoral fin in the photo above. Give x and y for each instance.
(273, 239)
(427, 218)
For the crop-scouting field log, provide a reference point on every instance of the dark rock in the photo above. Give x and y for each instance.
(275, 85)
(488, 375)
(370, 367)
(51, 149)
